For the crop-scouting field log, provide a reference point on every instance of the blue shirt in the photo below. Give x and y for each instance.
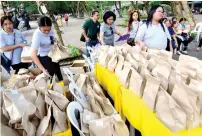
(109, 33)
(8, 39)
(171, 31)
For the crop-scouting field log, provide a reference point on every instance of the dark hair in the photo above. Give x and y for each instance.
(44, 21)
(174, 18)
(182, 19)
(107, 15)
(130, 21)
(164, 20)
(173, 23)
(93, 12)
(151, 13)
(6, 18)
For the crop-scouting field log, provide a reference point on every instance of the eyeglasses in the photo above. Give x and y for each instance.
(52, 40)
(111, 30)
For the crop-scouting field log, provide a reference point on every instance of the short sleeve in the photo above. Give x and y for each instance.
(36, 41)
(2, 43)
(86, 24)
(102, 28)
(141, 32)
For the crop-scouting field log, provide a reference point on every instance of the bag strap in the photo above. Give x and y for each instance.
(164, 30)
(137, 28)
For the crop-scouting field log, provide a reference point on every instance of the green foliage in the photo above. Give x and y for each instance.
(153, 3)
(75, 52)
(123, 24)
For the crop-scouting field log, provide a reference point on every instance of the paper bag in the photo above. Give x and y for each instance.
(125, 74)
(112, 62)
(88, 116)
(58, 53)
(84, 128)
(96, 86)
(169, 112)
(27, 125)
(26, 55)
(142, 63)
(136, 83)
(199, 74)
(153, 61)
(103, 56)
(173, 63)
(165, 55)
(60, 100)
(16, 104)
(153, 51)
(174, 77)
(60, 117)
(7, 131)
(41, 86)
(82, 82)
(44, 124)
(132, 61)
(40, 106)
(188, 100)
(120, 63)
(56, 129)
(150, 92)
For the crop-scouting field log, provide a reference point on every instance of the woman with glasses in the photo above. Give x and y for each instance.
(42, 41)
(12, 42)
(153, 33)
(108, 29)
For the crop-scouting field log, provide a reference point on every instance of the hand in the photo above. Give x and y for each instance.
(87, 39)
(21, 45)
(46, 72)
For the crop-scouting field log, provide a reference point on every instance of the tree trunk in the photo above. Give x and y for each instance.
(55, 25)
(120, 9)
(192, 5)
(133, 4)
(78, 12)
(188, 14)
(147, 6)
(177, 8)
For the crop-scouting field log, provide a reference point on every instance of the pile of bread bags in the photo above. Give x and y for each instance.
(172, 89)
(98, 118)
(30, 108)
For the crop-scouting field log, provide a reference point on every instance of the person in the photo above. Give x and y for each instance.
(12, 42)
(24, 14)
(91, 31)
(133, 26)
(174, 40)
(153, 33)
(164, 20)
(42, 41)
(183, 32)
(200, 45)
(66, 18)
(174, 19)
(108, 29)
(59, 20)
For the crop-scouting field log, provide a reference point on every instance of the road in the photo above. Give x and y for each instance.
(72, 32)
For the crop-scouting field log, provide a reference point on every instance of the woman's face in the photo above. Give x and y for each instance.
(182, 22)
(175, 19)
(158, 15)
(175, 25)
(167, 23)
(8, 26)
(110, 20)
(135, 16)
(45, 29)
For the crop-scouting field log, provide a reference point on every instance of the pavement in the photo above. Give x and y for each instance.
(72, 32)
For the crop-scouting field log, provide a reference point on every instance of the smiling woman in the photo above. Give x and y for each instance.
(42, 41)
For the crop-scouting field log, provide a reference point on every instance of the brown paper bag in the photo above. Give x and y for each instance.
(173, 63)
(58, 53)
(103, 56)
(44, 124)
(136, 83)
(120, 127)
(15, 104)
(40, 106)
(88, 116)
(142, 63)
(133, 62)
(169, 112)
(7, 131)
(84, 128)
(173, 78)
(96, 86)
(165, 55)
(120, 63)
(27, 125)
(125, 74)
(41, 86)
(144, 54)
(101, 127)
(82, 82)
(4, 116)
(60, 100)
(136, 56)
(187, 58)
(150, 92)
(144, 72)
(58, 88)
(199, 74)
(60, 117)
(112, 62)
(188, 99)
(56, 129)
(153, 61)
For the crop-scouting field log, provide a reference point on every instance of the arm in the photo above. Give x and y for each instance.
(85, 28)
(117, 32)
(175, 39)
(35, 58)
(102, 38)
(140, 36)
(85, 35)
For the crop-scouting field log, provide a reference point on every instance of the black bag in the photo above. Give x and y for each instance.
(168, 40)
(5, 62)
(82, 38)
(131, 41)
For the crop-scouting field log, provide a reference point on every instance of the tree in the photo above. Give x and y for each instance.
(177, 8)
(146, 6)
(188, 13)
(118, 7)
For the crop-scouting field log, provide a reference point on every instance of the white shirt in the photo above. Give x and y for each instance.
(153, 36)
(135, 27)
(8, 39)
(41, 42)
